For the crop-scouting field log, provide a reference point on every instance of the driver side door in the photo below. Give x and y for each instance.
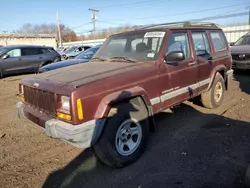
(181, 79)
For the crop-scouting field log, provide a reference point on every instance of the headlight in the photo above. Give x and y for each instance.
(65, 104)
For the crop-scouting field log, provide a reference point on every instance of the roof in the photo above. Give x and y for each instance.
(24, 45)
(175, 26)
(16, 35)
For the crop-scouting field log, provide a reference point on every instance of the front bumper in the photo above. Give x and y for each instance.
(243, 65)
(83, 135)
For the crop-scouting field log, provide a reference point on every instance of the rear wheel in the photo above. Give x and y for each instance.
(125, 135)
(214, 97)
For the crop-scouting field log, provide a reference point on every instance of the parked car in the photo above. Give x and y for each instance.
(81, 58)
(74, 51)
(110, 102)
(25, 58)
(240, 51)
(61, 49)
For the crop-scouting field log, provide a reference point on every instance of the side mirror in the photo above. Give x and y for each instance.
(232, 43)
(174, 56)
(5, 56)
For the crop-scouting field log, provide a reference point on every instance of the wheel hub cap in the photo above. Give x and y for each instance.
(128, 137)
(218, 92)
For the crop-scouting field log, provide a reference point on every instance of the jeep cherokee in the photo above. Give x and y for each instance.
(110, 102)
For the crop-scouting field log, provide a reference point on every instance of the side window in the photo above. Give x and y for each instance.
(179, 42)
(30, 51)
(14, 53)
(44, 50)
(218, 41)
(201, 45)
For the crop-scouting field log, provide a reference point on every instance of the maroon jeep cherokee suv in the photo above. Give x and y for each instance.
(110, 102)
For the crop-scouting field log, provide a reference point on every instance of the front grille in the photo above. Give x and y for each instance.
(238, 58)
(41, 100)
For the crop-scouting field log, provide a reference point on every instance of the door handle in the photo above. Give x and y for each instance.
(40, 57)
(19, 59)
(193, 63)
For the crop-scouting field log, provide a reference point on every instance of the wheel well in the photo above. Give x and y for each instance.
(223, 74)
(46, 63)
(139, 101)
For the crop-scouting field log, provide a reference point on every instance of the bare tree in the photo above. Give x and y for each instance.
(67, 33)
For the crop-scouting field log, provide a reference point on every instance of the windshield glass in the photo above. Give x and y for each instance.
(136, 46)
(71, 49)
(245, 40)
(2, 50)
(87, 54)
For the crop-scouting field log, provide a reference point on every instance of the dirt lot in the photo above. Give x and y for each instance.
(192, 147)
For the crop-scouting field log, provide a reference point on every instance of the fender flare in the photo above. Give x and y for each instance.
(118, 96)
(213, 74)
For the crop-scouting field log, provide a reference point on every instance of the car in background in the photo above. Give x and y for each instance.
(61, 49)
(25, 58)
(240, 51)
(81, 58)
(73, 51)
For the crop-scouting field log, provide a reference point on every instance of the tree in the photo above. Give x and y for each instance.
(66, 33)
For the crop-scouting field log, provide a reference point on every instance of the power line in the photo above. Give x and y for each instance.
(110, 22)
(84, 24)
(190, 12)
(131, 4)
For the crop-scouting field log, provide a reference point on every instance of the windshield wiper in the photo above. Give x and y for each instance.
(124, 59)
(98, 58)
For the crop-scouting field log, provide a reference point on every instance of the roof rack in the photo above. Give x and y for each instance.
(183, 24)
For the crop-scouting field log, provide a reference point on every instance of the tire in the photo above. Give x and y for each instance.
(56, 60)
(107, 148)
(247, 178)
(208, 99)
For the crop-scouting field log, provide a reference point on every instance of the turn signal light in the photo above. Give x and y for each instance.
(79, 109)
(64, 116)
(22, 99)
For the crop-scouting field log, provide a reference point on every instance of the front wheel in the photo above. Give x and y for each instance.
(124, 137)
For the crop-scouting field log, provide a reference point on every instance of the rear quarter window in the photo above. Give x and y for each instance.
(218, 41)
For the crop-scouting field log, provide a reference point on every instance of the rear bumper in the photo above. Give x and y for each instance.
(229, 75)
(83, 135)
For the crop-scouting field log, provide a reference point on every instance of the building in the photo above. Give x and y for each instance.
(33, 39)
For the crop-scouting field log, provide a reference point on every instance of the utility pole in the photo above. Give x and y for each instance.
(249, 18)
(59, 29)
(94, 19)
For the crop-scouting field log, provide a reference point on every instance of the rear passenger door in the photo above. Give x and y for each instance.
(183, 75)
(203, 57)
(32, 58)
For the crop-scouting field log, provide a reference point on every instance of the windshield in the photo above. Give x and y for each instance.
(2, 50)
(136, 46)
(87, 54)
(245, 40)
(71, 49)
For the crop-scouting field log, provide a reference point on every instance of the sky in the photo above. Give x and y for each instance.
(76, 14)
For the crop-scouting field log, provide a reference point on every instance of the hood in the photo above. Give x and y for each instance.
(240, 49)
(85, 73)
(73, 53)
(61, 64)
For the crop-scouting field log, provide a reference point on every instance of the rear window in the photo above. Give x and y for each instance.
(218, 41)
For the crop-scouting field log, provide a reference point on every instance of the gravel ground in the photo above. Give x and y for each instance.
(192, 147)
